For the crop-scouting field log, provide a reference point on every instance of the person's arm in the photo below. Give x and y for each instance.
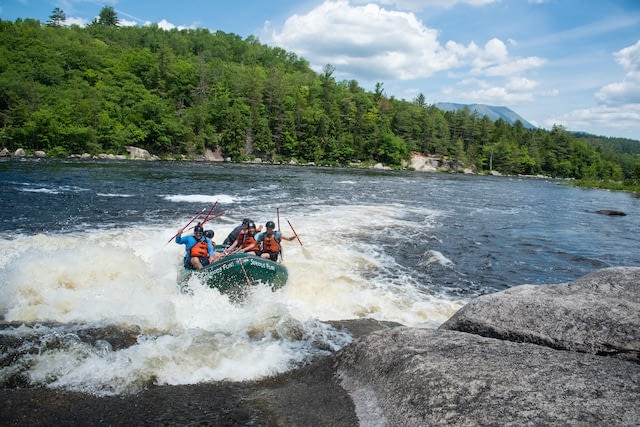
(231, 248)
(179, 237)
(211, 249)
(282, 236)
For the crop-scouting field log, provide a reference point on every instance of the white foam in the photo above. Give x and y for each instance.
(114, 195)
(208, 199)
(40, 190)
(128, 277)
(436, 257)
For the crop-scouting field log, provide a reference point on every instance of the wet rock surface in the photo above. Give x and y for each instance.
(306, 397)
(598, 313)
(309, 396)
(419, 377)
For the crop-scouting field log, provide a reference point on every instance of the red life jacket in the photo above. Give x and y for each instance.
(270, 244)
(200, 249)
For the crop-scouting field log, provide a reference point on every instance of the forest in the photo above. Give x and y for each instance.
(176, 93)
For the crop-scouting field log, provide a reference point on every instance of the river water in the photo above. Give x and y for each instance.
(86, 244)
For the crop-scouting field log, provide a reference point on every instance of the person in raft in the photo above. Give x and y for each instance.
(269, 242)
(199, 250)
(246, 241)
(233, 236)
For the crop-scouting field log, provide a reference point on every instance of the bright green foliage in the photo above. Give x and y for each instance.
(98, 89)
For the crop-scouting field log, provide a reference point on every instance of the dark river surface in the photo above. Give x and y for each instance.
(86, 243)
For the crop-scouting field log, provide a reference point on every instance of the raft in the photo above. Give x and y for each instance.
(236, 273)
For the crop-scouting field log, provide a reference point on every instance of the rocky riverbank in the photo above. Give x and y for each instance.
(418, 162)
(566, 354)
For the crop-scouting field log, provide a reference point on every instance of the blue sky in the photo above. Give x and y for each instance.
(575, 63)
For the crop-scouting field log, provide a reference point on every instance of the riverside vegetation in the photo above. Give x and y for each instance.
(181, 93)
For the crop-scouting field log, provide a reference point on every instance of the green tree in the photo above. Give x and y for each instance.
(108, 17)
(56, 18)
(102, 87)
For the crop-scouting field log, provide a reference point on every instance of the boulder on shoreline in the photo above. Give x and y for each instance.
(561, 354)
(538, 355)
(598, 313)
(136, 153)
(431, 163)
(418, 377)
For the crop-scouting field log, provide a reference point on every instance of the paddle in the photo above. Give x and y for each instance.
(206, 217)
(281, 251)
(294, 233)
(278, 215)
(189, 223)
(304, 250)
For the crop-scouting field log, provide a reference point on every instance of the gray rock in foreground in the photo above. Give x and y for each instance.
(598, 313)
(418, 377)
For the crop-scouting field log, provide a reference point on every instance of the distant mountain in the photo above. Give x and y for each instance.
(492, 112)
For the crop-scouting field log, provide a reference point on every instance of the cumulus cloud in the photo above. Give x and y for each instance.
(619, 108)
(521, 84)
(618, 119)
(81, 22)
(372, 43)
(418, 5)
(366, 39)
(166, 25)
(628, 90)
(127, 23)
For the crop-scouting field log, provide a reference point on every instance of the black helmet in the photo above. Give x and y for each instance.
(246, 221)
(270, 224)
(209, 234)
(251, 224)
(198, 229)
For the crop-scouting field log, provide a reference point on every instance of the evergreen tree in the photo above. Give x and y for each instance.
(56, 18)
(108, 17)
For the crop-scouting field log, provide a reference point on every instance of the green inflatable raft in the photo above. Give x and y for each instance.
(235, 274)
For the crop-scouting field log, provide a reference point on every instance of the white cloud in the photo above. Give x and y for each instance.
(629, 57)
(628, 90)
(126, 23)
(164, 24)
(372, 43)
(620, 119)
(515, 66)
(521, 84)
(619, 109)
(418, 5)
(496, 95)
(81, 22)
(366, 41)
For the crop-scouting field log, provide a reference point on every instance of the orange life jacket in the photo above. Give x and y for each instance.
(200, 249)
(270, 244)
(246, 239)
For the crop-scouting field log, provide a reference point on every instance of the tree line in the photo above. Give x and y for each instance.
(176, 93)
